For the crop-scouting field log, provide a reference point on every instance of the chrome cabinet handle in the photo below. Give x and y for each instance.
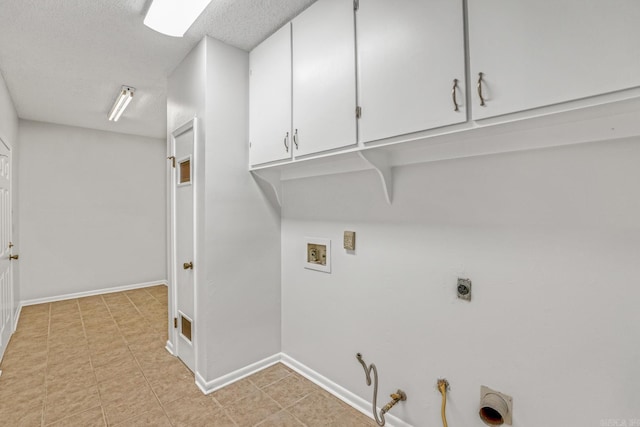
(295, 139)
(453, 95)
(286, 146)
(480, 75)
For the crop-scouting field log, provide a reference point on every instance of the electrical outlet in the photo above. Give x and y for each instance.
(350, 240)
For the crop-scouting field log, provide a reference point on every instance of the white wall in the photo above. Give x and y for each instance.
(238, 289)
(242, 230)
(93, 210)
(551, 241)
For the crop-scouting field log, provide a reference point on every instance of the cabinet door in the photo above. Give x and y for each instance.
(534, 53)
(409, 53)
(270, 99)
(324, 77)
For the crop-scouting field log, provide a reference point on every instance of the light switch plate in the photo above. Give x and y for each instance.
(350, 240)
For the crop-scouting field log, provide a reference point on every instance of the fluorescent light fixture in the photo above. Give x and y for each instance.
(174, 17)
(124, 98)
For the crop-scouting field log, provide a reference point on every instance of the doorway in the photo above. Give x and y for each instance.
(182, 242)
(6, 257)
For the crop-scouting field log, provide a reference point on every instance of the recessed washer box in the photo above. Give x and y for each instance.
(317, 254)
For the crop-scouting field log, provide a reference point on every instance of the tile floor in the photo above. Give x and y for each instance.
(101, 360)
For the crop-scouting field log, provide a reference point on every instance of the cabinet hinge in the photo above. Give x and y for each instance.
(356, 4)
(358, 112)
(173, 160)
(175, 322)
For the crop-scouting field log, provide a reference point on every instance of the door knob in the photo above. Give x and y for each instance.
(187, 265)
(13, 257)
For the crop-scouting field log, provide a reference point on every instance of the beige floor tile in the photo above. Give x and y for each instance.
(149, 342)
(63, 404)
(65, 353)
(318, 410)
(105, 341)
(175, 386)
(103, 359)
(24, 417)
(25, 400)
(66, 367)
(234, 392)
(123, 385)
(19, 382)
(27, 362)
(154, 418)
(189, 411)
(112, 355)
(90, 418)
(252, 409)
(35, 309)
(281, 419)
(30, 339)
(70, 380)
(66, 306)
(117, 368)
(289, 390)
(127, 407)
(270, 375)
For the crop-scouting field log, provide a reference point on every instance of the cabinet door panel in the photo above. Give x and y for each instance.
(270, 98)
(409, 53)
(543, 52)
(324, 87)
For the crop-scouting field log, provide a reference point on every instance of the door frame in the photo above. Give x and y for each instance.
(174, 335)
(13, 313)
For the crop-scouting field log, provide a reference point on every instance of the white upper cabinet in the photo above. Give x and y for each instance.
(324, 78)
(544, 52)
(409, 54)
(270, 99)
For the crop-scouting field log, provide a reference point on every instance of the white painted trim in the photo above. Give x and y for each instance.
(335, 389)
(16, 317)
(172, 254)
(169, 348)
(338, 391)
(215, 384)
(91, 293)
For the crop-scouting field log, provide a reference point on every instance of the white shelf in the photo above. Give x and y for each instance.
(603, 118)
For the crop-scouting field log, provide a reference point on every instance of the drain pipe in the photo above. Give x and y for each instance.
(395, 397)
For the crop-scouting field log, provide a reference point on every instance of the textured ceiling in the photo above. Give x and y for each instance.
(65, 60)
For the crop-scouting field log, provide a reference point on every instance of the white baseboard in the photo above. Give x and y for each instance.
(92, 293)
(335, 389)
(169, 348)
(215, 384)
(16, 317)
(338, 391)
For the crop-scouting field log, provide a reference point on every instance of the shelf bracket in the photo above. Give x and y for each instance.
(380, 162)
(269, 182)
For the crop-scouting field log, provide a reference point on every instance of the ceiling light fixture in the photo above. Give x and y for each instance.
(124, 98)
(174, 17)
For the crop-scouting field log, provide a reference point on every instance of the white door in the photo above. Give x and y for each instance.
(410, 57)
(183, 243)
(324, 78)
(270, 99)
(537, 53)
(6, 276)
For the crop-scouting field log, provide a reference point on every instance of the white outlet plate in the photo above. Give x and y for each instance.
(317, 254)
